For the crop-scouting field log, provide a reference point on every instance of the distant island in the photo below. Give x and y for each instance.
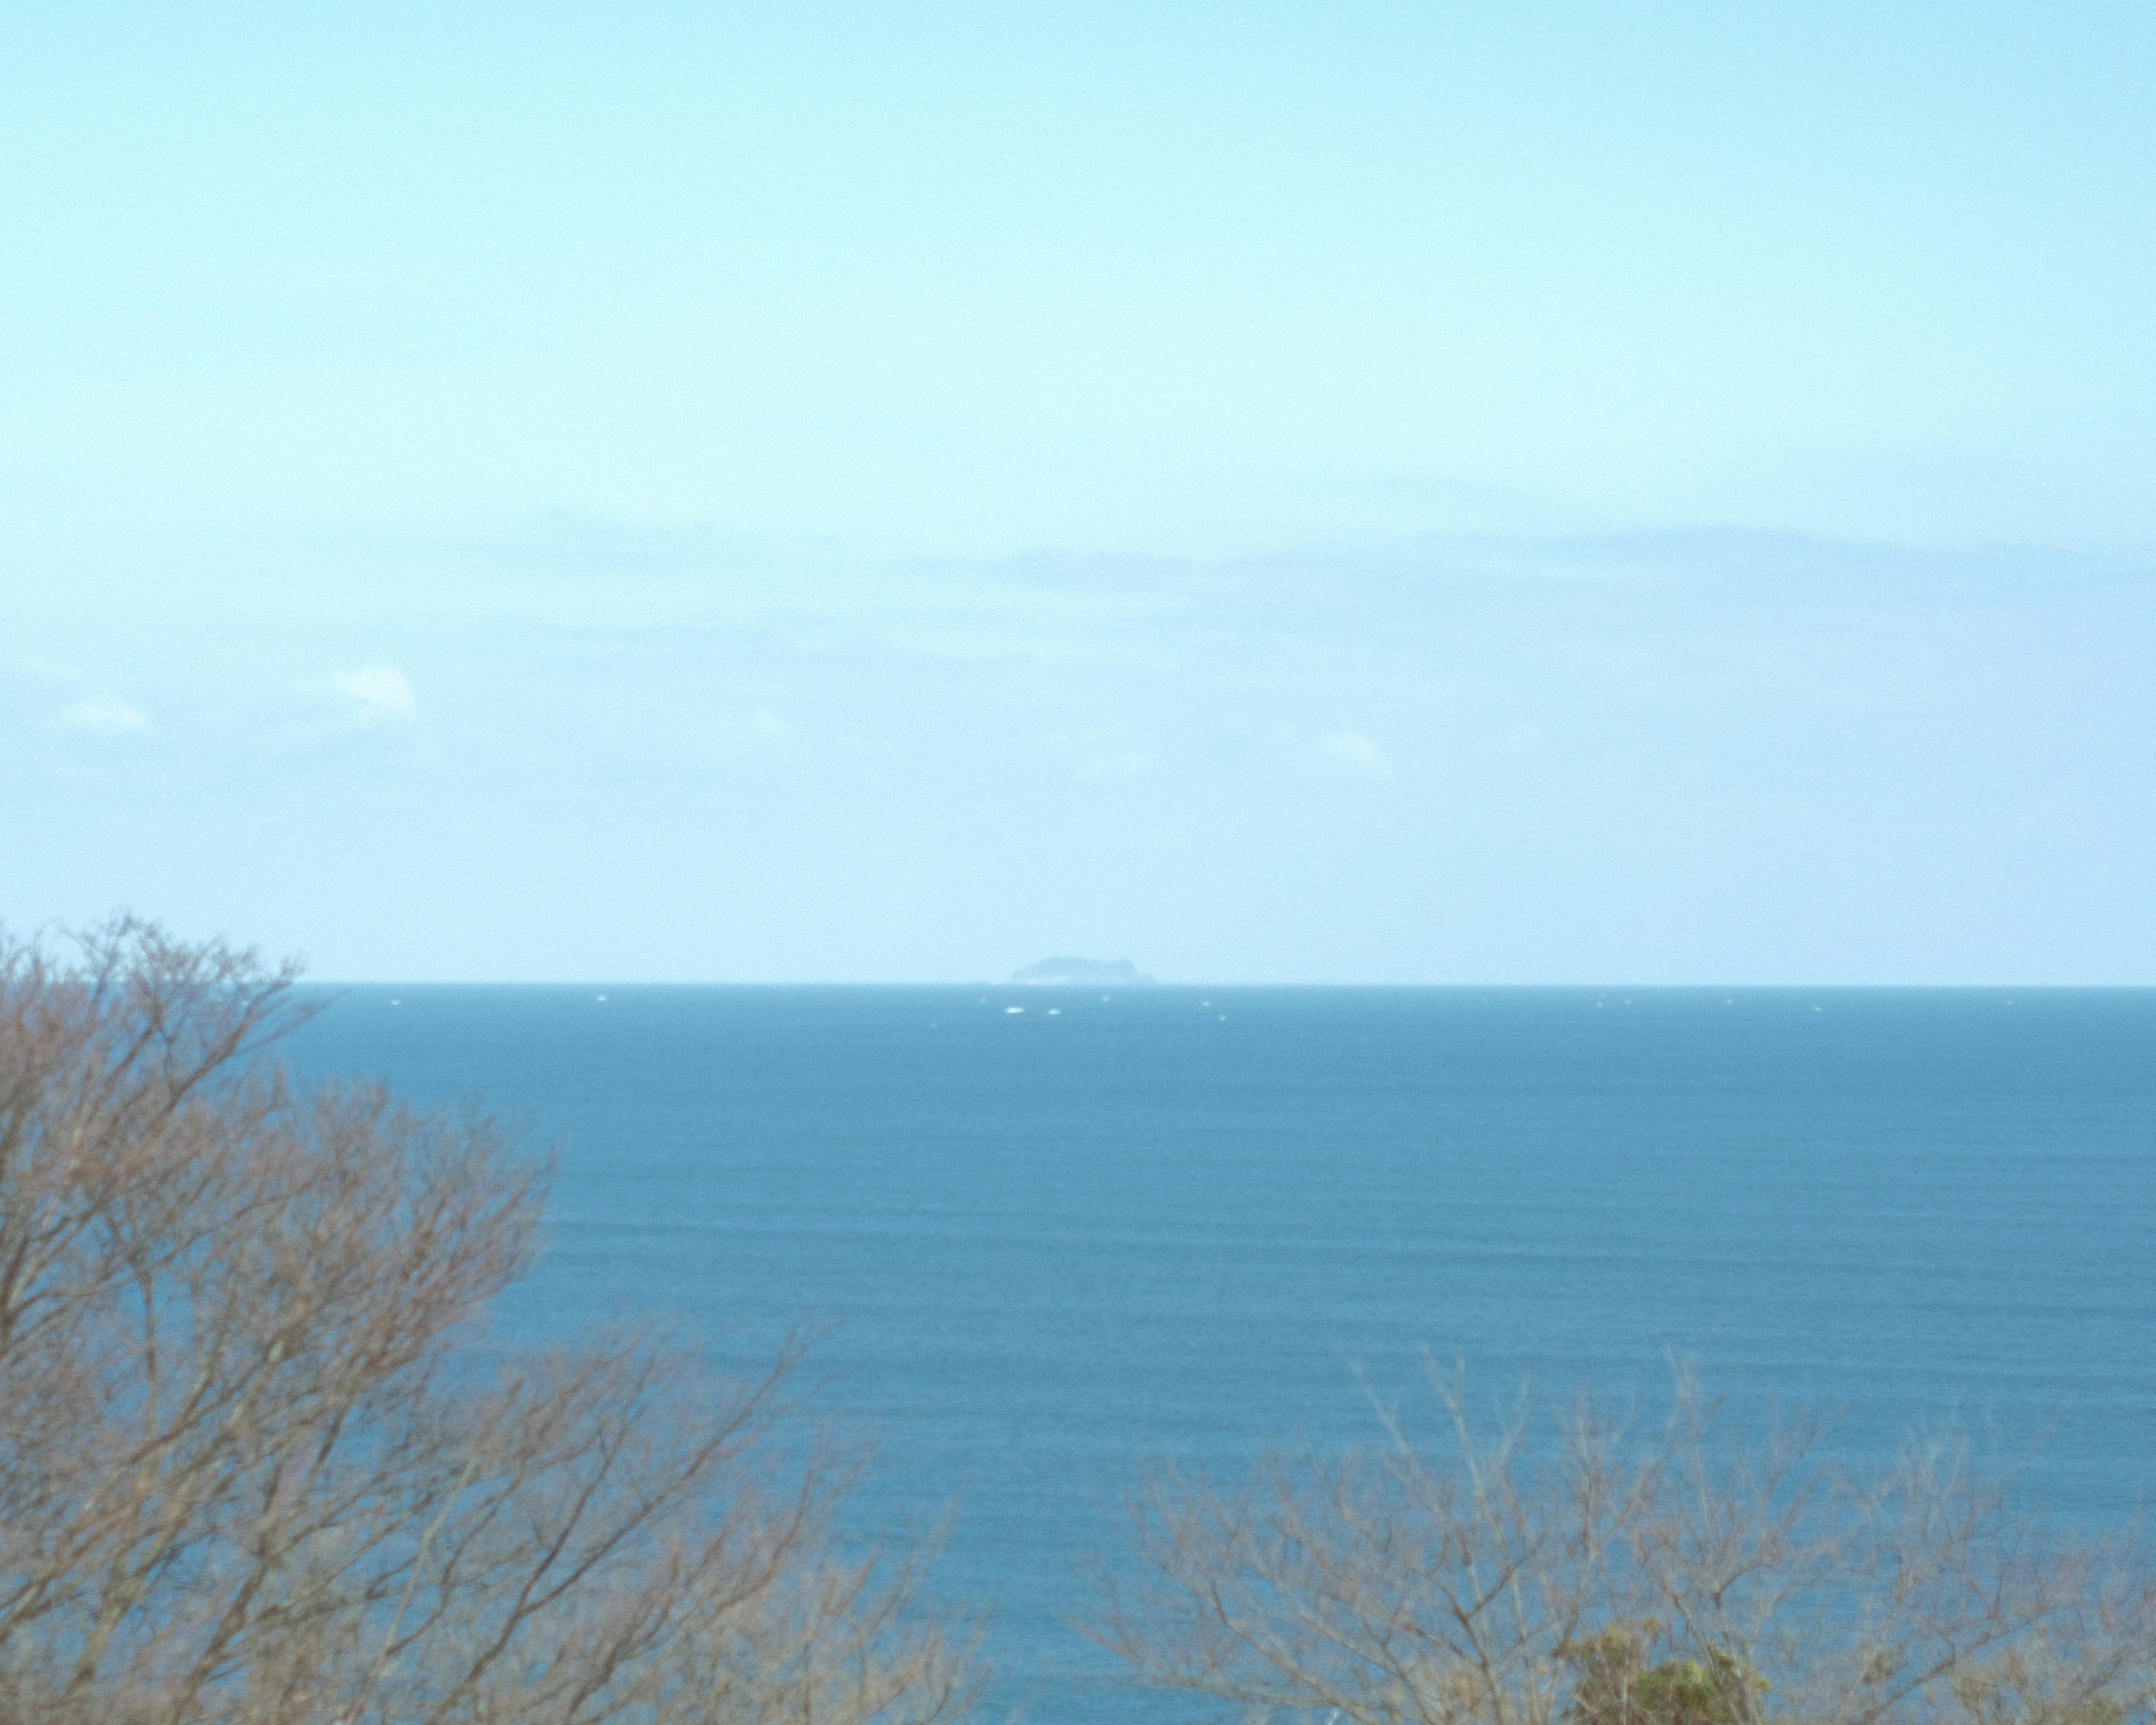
(1082, 974)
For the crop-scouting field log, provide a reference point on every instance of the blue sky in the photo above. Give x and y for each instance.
(1294, 493)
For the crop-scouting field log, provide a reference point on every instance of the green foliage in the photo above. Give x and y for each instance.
(1613, 1685)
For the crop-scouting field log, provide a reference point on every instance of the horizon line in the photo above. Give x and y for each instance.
(1158, 985)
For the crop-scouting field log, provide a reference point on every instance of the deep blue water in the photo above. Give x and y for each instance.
(1175, 1220)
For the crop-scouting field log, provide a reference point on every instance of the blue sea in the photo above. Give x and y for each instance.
(1061, 1231)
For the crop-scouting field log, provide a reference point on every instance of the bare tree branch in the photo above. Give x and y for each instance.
(251, 1475)
(1568, 1570)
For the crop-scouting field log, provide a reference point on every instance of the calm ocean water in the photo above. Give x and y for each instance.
(1176, 1220)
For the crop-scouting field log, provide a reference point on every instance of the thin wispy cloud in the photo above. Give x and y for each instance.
(379, 694)
(103, 719)
(1349, 754)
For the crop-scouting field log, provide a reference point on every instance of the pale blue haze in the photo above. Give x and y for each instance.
(1283, 493)
(1177, 1220)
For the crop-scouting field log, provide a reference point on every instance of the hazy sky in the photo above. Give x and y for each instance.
(1327, 492)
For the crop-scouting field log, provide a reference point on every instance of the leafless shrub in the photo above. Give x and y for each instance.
(249, 1474)
(1565, 1570)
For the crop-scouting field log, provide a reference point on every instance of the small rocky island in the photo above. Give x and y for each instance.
(1082, 974)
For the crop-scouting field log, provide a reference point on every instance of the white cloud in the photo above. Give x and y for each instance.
(1349, 754)
(377, 692)
(102, 718)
